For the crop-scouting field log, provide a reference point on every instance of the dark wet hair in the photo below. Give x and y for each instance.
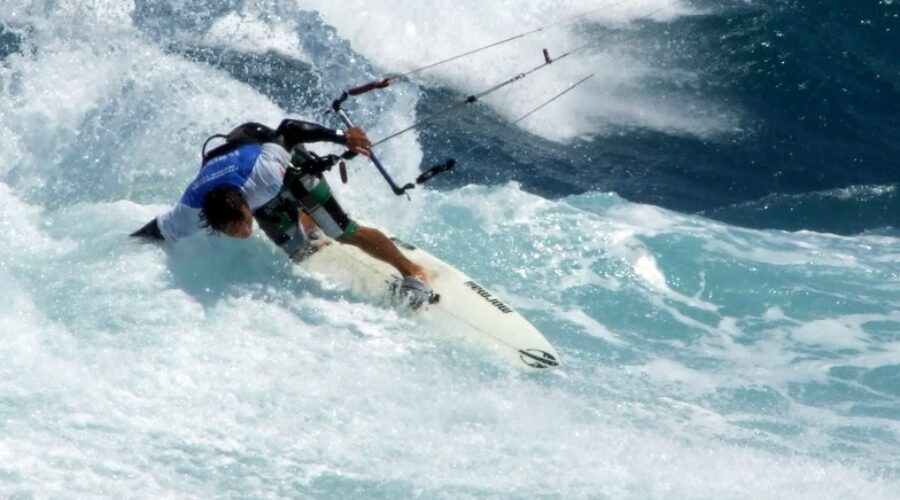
(221, 206)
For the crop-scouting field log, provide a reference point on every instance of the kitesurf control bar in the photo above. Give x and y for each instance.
(451, 163)
(399, 191)
(362, 89)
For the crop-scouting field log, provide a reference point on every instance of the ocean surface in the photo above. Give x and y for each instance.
(707, 230)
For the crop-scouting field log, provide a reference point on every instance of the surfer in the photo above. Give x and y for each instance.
(268, 175)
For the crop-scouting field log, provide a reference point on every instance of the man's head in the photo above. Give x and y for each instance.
(226, 211)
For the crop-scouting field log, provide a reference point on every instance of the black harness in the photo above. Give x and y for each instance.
(255, 133)
(248, 133)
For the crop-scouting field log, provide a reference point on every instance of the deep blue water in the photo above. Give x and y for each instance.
(818, 87)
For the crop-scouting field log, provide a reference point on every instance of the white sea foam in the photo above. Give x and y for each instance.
(183, 379)
(250, 33)
(403, 36)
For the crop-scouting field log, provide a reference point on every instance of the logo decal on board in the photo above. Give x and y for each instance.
(537, 358)
(488, 297)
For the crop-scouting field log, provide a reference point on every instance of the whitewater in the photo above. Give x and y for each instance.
(699, 359)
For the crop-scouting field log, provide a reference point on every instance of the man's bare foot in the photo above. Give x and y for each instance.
(420, 272)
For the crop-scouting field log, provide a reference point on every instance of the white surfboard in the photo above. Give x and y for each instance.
(465, 307)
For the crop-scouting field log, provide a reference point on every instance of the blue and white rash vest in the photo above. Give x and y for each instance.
(256, 169)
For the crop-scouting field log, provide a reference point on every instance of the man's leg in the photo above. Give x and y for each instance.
(379, 246)
(309, 225)
(280, 220)
(320, 205)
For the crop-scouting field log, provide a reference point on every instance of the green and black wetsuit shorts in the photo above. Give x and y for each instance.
(310, 193)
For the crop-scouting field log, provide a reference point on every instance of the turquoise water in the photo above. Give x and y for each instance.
(700, 359)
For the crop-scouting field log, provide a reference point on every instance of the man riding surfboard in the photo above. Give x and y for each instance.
(268, 175)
